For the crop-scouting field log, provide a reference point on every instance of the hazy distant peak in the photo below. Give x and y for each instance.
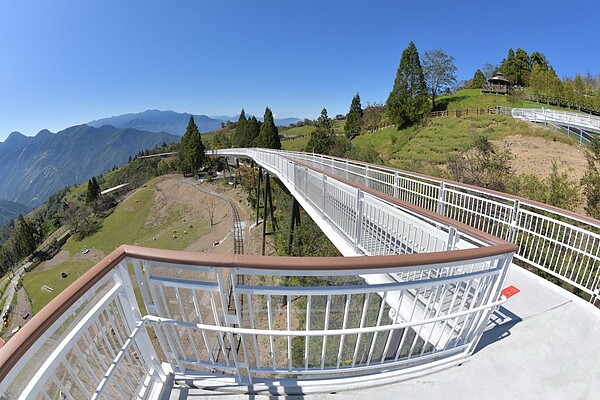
(14, 139)
(44, 133)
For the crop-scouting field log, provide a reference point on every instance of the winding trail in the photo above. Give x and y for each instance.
(238, 227)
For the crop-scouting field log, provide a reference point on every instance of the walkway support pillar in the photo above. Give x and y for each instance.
(258, 181)
(267, 209)
(294, 220)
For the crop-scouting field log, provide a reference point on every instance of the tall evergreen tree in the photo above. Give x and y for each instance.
(26, 237)
(252, 132)
(239, 137)
(478, 80)
(539, 59)
(269, 134)
(322, 139)
(93, 190)
(523, 67)
(191, 149)
(508, 66)
(354, 118)
(408, 101)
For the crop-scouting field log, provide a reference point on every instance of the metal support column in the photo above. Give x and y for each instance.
(258, 181)
(294, 220)
(264, 233)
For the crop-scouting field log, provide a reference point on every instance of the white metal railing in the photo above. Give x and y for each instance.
(420, 303)
(98, 347)
(297, 318)
(561, 243)
(583, 121)
(585, 124)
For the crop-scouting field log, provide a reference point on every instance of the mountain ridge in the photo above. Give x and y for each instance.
(174, 122)
(34, 167)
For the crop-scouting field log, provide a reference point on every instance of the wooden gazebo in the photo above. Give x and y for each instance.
(497, 84)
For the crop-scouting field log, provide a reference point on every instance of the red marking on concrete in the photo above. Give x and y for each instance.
(510, 291)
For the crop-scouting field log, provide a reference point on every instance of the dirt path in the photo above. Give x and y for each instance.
(534, 156)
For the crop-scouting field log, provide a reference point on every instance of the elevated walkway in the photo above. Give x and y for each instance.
(582, 126)
(420, 292)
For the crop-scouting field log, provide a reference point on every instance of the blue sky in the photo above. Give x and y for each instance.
(67, 62)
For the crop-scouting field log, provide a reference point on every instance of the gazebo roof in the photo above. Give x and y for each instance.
(499, 78)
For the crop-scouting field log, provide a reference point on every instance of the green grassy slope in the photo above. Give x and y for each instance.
(473, 98)
(423, 148)
(128, 224)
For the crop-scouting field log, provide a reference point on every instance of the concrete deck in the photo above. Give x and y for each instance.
(543, 344)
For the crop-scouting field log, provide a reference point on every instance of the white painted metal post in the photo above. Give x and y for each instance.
(513, 222)
(229, 320)
(359, 214)
(324, 195)
(396, 184)
(133, 316)
(441, 202)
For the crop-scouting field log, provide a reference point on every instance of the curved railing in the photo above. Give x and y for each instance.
(578, 120)
(141, 315)
(561, 243)
(586, 125)
(316, 319)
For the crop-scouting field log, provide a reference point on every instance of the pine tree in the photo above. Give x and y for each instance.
(191, 149)
(408, 101)
(269, 134)
(93, 191)
(354, 118)
(322, 139)
(508, 66)
(478, 80)
(539, 59)
(26, 237)
(516, 67)
(523, 67)
(251, 133)
(239, 137)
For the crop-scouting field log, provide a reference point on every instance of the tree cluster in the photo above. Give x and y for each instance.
(23, 241)
(250, 132)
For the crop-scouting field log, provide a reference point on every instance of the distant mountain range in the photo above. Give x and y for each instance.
(9, 210)
(172, 122)
(159, 121)
(32, 168)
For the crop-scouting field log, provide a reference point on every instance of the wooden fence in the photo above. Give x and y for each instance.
(458, 113)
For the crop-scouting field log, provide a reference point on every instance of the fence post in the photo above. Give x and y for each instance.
(453, 237)
(359, 216)
(513, 222)
(324, 194)
(367, 176)
(132, 315)
(396, 184)
(441, 198)
(347, 170)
